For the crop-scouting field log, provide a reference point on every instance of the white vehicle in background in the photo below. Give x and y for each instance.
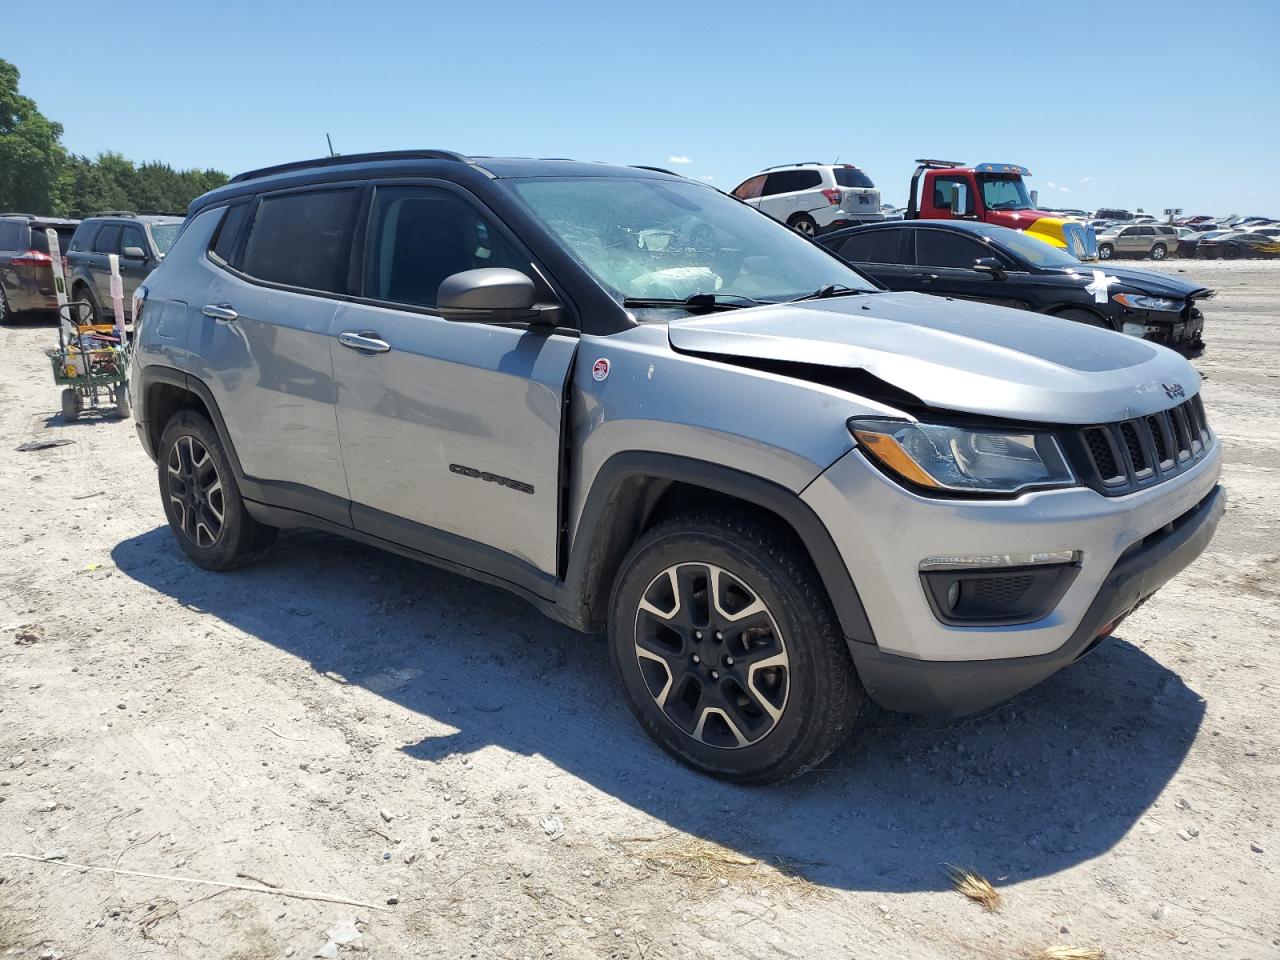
(813, 198)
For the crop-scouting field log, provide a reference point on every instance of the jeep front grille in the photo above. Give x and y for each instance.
(1117, 458)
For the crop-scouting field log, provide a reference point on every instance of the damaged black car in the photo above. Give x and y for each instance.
(982, 261)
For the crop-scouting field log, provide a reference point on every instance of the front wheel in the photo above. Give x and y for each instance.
(1231, 252)
(6, 314)
(728, 650)
(1158, 252)
(202, 500)
(1106, 251)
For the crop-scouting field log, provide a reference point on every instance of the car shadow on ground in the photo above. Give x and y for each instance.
(1047, 781)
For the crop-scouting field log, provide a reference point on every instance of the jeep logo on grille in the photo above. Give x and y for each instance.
(1174, 390)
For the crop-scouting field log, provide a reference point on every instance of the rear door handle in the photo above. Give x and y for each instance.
(365, 340)
(221, 312)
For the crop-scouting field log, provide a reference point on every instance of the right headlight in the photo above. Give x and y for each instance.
(961, 459)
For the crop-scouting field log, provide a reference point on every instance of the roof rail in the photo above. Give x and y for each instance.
(18, 213)
(349, 158)
(113, 213)
(645, 166)
(803, 163)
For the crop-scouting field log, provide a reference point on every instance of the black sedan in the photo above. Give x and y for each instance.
(981, 261)
(1258, 242)
(1187, 246)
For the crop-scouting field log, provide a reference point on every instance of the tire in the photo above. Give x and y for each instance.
(201, 499)
(668, 626)
(1231, 252)
(803, 224)
(70, 405)
(1106, 251)
(1159, 251)
(95, 312)
(123, 407)
(1087, 317)
(6, 315)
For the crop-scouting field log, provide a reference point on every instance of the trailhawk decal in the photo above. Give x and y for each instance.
(475, 474)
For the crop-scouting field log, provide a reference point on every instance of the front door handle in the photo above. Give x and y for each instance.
(221, 312)
(365, 340)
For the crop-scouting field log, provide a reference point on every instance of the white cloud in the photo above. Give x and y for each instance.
(1051, 185)
(1086, 179)
(679, 159)
(707, 178)
(1064, 189)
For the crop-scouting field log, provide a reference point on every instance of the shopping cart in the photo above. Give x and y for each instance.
(90, 363)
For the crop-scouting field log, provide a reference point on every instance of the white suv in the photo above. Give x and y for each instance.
(813, 197)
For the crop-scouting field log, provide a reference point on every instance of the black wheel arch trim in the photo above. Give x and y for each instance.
(627, 479)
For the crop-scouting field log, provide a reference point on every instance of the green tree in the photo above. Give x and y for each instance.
(31, 154)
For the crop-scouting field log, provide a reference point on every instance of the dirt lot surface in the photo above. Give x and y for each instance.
(343, 721)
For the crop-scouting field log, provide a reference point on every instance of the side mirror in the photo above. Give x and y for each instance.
(990, 266)
(490, 295)
(134, 253)
(959, 200)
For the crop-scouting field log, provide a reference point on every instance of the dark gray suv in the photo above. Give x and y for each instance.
(653, 411)
(140, 240)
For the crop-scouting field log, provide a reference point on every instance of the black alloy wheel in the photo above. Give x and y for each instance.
(196, 492)
(711, 655)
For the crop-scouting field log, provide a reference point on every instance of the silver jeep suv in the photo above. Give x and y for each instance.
(652, 411)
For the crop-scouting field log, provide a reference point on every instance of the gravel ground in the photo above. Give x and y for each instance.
(343, 721)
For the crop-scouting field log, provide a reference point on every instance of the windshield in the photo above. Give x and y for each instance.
(1005, 193)
(670, 240)
(164, 234)
(1036, 252)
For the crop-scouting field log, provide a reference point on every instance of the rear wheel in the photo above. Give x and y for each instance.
(804, 224)
(201, 499)
(85, 316)
(1106, 251)
(6, 315)
(728, 650)
(1231, 252)
(1159, 251)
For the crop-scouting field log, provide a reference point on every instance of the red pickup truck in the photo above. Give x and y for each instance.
(992, 193)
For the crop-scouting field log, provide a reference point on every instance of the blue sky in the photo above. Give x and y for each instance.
(1105, 102)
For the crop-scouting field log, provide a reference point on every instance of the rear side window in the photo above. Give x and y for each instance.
(852, 177)
(419, 235)
(789, 181)
(224, 241)
(874, 246)
(108, 239)
(940, 248)
(302, 240)
(11, 235)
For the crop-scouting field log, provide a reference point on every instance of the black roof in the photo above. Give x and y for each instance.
(446, 163)
(955, 226)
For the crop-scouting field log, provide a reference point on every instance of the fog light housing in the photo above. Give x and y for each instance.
(974, 591)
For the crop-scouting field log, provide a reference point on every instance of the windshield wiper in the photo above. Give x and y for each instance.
(830, 290)
(697, 302)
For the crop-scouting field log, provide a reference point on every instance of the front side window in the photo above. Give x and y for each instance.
(301, 240)
(648, 238)
(944, 188)
(1005, 193)
(941, 248)
(1033, 250)
(132, 237)
(108, 239)
(418, 236)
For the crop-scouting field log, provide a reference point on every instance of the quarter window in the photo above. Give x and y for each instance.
(940, 248)
(419, 236)
(301, 240)
(224, 242)
(108, 239)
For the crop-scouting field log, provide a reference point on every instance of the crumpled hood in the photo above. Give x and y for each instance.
(1142, 281)
(957, 355)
